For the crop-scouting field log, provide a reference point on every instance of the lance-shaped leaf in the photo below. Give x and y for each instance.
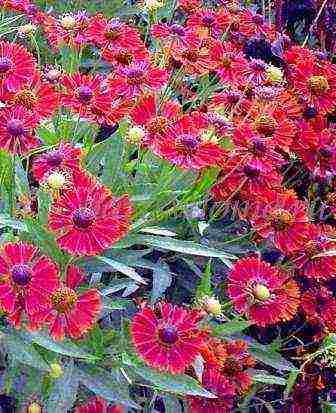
(178, 384)
(123, 268)
(64, 390)
(105, 384)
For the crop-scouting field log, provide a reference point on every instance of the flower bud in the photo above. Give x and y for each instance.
(153, 4)
(261, 292)
(34, 407)
(56, 370)
(56, 180)
(274, 74)
(212, 306)
(27, 30)
(53, 75)
(135, 134)
(68, 22)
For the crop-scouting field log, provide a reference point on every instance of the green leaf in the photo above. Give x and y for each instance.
(45, 240)
(291, 379)
(177, 384)
(158, 231)
(24, 353)
(162, 279)
(329, 407)
(7, 221)
(269, 356)
(204, 287)
(208, 179)
(115, 156)
(47, 134)
(123, 268)
(110, 304)
(21, 180)
(231, 327)
(104, 384)
(64, 390)
(44, 201)
(66, 347)
(261, 376)
(185, 247)
(5, 170)
(171, 404)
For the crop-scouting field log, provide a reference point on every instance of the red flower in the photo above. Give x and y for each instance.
(261, 292)
(297, 54)
(230, 62)
(281, 217)
(174, 36)
(98, 405)
(183, 145)
(155, 117)
(17, 130)
(89, 219)
(232, 102)
(254, 24)
(17, 66)
(245, 177)
(231, 359)
(88, 95)
(70, 313)
(255, 146)
(27, 279)
(316, 240)
(65, 158)
(167, 338)
(195, 61)
(36, 96)
(189, 6)
(218, 385)
(272, 121)
(316, 85)
(110, 34)
(131, 81)
(209, 23)
(315, 145)
(125, 57)
(255, 72)
(319, 305)
(70, 30)
(15, 5)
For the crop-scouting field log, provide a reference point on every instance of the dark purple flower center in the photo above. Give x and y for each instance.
(177, 29)
(135, 76)
(233, 97)
(54, 159)
(208, 20)
(83, 218)
(325, 153)
(258, 65)
(251, 171)
(258, 146)
(258, 19)
(5, 65)
(168, 335)
(21, 274)
(15, 127)
(85, 94)
(113, 31)
(32, 9)
(189, 142)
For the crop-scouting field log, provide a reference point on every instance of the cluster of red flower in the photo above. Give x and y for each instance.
(169, 339)
(31, 286)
